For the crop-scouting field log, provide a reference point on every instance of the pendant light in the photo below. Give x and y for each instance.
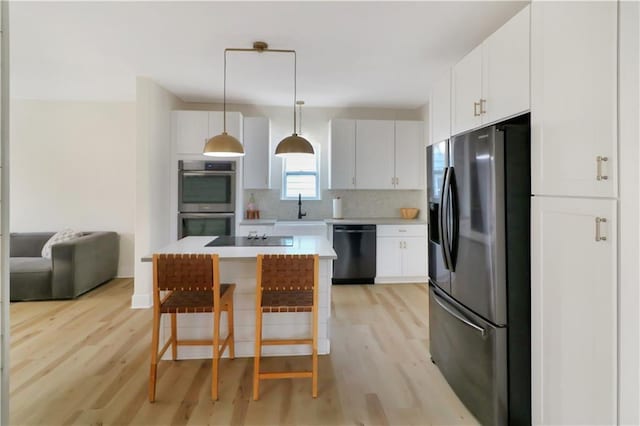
(224, 145)
(294, 145)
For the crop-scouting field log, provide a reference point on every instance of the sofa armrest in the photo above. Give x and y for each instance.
(83, 263)
(28, 244)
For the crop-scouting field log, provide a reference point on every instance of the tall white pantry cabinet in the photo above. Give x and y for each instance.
(574, 212)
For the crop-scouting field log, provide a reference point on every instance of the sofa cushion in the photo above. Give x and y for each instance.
(59, 237)
(30, 278)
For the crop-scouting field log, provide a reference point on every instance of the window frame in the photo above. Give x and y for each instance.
(283, 190)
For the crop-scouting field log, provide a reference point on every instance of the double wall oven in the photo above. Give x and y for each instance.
(206, 198)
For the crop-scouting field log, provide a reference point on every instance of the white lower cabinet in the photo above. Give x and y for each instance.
(573, 308)
(401, 254)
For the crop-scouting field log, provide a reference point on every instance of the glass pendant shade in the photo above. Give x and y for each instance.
(294, 145)
(223, 145)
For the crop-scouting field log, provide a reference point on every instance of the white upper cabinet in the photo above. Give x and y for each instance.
(375, 154)
(256, 164)
(574, 98)
(574, 314)
(440, 109)
(466, 91)
(506, 69)
(409, 164)
(190, 131)
(342, 154)
(492, 81)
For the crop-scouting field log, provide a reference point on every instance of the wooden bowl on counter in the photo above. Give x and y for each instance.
(409, 213)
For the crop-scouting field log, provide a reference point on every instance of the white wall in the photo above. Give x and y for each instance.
(73, 166)
(629, 237)
(153, 213)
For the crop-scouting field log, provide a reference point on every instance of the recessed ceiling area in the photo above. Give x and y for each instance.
(349, 54)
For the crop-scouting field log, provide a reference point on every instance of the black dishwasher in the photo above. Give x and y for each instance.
(355, 246)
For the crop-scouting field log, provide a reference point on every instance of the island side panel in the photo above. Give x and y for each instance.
(242, 272)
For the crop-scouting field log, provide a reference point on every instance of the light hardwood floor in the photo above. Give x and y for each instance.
(87, 362)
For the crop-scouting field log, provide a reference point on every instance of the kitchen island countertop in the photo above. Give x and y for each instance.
(301, 245)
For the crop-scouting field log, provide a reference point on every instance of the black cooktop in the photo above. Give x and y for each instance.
(272, 241)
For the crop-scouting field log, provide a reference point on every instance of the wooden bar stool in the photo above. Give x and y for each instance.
(286, 283)
(191, 283)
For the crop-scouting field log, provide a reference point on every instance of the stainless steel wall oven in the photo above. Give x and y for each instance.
(206, 198)
(206, 186)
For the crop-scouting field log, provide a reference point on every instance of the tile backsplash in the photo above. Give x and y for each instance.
(355, 203)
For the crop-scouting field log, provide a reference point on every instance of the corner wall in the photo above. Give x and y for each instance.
(153, 167)
(73, 166)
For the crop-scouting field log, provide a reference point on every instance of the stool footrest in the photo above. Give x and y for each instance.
(287, 342)
(286, 375)
(195, 342)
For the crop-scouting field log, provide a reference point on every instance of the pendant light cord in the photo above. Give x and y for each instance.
(295, 88)
(264, 49)
(224, 95)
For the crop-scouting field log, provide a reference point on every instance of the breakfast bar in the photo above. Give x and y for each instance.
(238, 265)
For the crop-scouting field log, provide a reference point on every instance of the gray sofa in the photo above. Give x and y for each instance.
(75, 267)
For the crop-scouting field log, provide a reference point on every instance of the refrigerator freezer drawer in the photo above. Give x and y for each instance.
(472, 355)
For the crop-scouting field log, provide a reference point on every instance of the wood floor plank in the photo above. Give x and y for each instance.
(86, 362)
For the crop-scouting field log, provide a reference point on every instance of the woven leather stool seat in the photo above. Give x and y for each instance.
(182, 302)
(188, 284)
(286, 283)
(287, 301)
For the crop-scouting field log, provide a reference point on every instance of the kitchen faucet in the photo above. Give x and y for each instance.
(300, 214)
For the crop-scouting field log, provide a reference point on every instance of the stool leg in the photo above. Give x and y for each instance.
(257, 354)
(232, 346)
(216, 354)
(174, 337)
(314, 373)
(155, 337)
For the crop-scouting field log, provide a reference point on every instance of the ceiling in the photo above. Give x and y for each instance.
(349, 54)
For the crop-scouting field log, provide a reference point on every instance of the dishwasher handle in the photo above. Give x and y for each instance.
(354, 228)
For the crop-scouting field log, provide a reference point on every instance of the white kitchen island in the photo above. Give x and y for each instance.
(238, 265)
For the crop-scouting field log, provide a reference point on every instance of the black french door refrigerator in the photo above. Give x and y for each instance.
(479, 269)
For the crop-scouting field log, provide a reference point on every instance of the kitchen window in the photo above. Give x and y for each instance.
(300, 176)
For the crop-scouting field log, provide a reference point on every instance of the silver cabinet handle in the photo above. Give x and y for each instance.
(599, 161)
(397, 181)
(353, 180)
(482, 110)
(480, 330)
(599, 236)
(475, 109)
(400, 244)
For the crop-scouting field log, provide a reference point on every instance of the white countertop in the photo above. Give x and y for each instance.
(376, 221)
(301, 245)
(346, 221)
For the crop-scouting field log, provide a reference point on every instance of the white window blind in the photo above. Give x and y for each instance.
(300, 176)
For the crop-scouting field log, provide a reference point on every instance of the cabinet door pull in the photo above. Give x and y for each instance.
(482, 110)
(475, 109)
(599, 236)
(353, 180)
(400, 244)
(599, 161)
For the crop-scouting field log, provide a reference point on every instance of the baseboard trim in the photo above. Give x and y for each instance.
(141, 301)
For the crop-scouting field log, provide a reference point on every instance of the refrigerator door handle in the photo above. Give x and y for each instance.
(455, 222)
(459, 317)
(442, 220)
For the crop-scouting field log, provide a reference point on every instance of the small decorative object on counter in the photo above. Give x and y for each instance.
(409, 212)
(252, 208)
(337, 208)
